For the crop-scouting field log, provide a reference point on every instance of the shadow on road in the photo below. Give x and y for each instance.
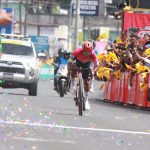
(116, 105)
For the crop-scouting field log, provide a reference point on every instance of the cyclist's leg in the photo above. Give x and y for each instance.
(86, 90)
(85, 75)
(92, 79)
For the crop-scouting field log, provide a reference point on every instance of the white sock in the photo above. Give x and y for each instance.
(91, 84)
(86, 96)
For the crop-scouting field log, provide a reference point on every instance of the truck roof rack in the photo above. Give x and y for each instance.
(15, 37)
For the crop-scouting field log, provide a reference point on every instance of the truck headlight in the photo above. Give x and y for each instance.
(31, 72)
(31, 67)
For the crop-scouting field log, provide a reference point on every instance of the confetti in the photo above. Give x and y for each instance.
(20, 109)
(34, 147)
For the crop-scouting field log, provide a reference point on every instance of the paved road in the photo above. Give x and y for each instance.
(48, 122)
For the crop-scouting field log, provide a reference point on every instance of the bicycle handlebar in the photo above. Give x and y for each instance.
(80, 68)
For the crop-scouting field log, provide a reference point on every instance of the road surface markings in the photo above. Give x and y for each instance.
(43, 140)
(71, 127)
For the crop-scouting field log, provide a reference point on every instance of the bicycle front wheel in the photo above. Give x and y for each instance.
(80, 97)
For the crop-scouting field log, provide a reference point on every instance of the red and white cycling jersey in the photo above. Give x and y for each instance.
(78, 53)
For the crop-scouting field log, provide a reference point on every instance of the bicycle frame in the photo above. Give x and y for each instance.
(80, 93)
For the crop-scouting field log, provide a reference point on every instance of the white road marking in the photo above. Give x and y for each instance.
(71, 127)
(43, 140)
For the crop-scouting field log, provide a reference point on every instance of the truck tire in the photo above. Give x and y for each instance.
(33, 89)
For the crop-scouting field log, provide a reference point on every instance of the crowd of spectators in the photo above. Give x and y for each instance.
(132, 55)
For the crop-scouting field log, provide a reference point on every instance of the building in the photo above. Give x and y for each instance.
(53, 19)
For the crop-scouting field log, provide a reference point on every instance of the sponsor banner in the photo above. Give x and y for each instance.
(87, 7)
(136, 23)
(40, 43)
(141, 33)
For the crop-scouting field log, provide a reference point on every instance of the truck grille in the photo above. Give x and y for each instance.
(13, 62)
(12, 70)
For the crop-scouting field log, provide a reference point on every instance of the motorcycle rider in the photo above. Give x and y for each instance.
(83, 57)
(63, 59)
(56, 62)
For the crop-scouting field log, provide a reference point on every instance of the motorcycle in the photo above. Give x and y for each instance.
(62, 81)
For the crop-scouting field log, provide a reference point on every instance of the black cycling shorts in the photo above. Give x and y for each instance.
(85, 73)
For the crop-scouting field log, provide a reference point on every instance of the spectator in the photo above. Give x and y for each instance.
(146, 39)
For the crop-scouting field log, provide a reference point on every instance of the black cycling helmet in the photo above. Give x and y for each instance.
(66, 54)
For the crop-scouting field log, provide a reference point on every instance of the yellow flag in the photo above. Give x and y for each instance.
(118, 40)
(144, 75)
(106, 73)
(140, 68)
(114, 57)
(103, 72)
(108, 57)
(99, 73)
(118, 74)
(102, 36)
(146, 52)
(129, 67)
(100, 57)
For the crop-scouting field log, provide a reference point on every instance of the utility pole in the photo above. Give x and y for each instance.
(69, 28)
(20, 16)
(25, 19)
(76, 23)
(38, 27)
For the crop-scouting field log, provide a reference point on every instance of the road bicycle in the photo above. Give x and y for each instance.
(80, 94)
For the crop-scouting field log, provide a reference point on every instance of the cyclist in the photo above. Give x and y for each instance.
(63, 59)
(83, 57)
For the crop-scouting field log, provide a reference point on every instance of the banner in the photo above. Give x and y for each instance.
(101, 46)
(137, 23)
(87, 7)
(8, 29)
(40, 43)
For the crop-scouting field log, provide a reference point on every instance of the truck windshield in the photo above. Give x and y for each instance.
(15, 49)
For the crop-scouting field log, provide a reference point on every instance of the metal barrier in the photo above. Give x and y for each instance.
(129, 90)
